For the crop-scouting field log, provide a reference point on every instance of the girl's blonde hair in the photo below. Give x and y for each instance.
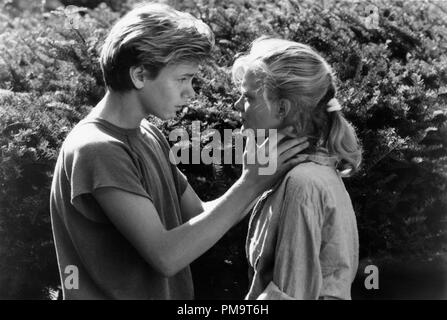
(295, 72)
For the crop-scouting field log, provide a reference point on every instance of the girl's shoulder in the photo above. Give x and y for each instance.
(310, 172)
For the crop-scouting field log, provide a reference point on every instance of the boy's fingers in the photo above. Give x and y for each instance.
(291, 163)
(266, 142)
(278, 137)
(250, 143)
(272, 141)
(269, 143)
(288, 131)
(293, 152)
(292, 143)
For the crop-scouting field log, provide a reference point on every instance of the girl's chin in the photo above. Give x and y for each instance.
(245, 127)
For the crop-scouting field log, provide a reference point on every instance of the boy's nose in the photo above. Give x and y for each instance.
(189, 93)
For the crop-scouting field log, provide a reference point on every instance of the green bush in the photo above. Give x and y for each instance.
(392, 83)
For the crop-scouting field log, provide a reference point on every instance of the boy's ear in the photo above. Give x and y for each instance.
(283, 108)
(137, 75)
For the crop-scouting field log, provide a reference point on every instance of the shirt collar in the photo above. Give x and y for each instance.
(322, 157)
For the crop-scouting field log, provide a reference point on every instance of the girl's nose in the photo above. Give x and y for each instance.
(239, 104)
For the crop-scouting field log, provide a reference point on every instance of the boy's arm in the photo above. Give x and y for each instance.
(169, 251)
(191, 205)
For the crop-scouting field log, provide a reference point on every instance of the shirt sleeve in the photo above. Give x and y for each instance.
(297, 270)
(103, 164)
(180, 178)
(182, 181)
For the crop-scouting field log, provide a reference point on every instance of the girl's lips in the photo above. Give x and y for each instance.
(239, 117)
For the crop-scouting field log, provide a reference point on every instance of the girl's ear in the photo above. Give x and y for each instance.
(283, 108)
(137, 75)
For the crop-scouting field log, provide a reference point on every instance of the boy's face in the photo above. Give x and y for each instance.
(252, 106)
(169, 91)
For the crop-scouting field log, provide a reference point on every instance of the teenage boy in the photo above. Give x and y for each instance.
(124, 217)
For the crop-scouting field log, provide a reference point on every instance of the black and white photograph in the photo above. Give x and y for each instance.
(229, 151)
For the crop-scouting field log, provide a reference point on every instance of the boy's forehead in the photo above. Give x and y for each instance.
(184, 68)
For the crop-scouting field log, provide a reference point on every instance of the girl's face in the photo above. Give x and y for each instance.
(253, 108)
(169, 91)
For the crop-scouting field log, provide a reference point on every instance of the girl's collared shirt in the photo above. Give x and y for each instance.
(302, 241)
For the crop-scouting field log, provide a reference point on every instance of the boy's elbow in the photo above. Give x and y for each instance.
(164, 258)
(167, 270)
(165, 267)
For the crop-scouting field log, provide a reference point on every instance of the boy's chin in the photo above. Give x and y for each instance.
(168, 116)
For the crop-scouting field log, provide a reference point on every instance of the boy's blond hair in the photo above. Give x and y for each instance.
(154, 36)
